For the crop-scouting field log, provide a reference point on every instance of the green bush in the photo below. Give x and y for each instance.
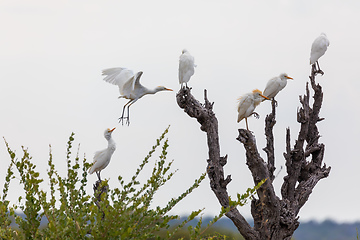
(119, 213)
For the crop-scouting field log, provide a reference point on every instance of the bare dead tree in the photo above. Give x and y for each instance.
(274, 218)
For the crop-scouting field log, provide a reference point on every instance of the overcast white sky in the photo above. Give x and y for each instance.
(52, 54)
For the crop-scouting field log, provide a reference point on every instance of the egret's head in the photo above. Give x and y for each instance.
(184, 51)
(257, 93)
(162, 88)
(107, 133)
(284, 76)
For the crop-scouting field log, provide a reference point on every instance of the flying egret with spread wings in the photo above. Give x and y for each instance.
(102, 158)
(318, 49)
(186, 67)
(247, 105)
(275, 85)
(129, 86)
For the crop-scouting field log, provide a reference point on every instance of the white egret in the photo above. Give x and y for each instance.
(102, 158)
(247, 105)
(275, 85)
(129, 86)
(186, 67)
(318, 49)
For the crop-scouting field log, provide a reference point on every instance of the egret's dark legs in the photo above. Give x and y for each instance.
(256, 115)
(317, 69)
(128, 115)
(184, 86)
(273, 100)
(121, 119)
(128, 110)
(98, 174)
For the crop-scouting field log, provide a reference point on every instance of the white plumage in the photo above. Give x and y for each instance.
(129, 86)
(275, 85)
(247, 105)
(186, 67)
(102, 158)
(318, 49)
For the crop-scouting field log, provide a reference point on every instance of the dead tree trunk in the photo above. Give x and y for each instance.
(274, 218)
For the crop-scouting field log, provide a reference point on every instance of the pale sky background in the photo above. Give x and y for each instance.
(52, 54)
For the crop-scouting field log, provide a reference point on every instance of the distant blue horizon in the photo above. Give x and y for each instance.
(224, 221)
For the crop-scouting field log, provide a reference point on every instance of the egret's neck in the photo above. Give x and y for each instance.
(257, 101)
(111, 142)
(153, 91)
(111, 145)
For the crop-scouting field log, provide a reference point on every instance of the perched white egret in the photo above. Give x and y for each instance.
(318, 49)
(186, 67)
(129, 86)
(275, 85)
(102, 158)
(247, 105)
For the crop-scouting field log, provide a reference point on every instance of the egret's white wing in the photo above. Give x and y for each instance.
(245, 102)
(318, 48)
(128, 87)
(119, 76)
(98, 156)
(186, 67)
(273, 87)
(137, 84)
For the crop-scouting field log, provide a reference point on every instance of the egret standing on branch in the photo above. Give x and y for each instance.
(129, 86)
(186, 67)
(318, 49)
(102, 158)
(275, 85)
(247, 105)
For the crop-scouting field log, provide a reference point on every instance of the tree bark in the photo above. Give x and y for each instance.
(209, 124)
(274, 218)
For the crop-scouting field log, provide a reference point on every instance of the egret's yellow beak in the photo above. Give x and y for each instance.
(111, 130)
(168, 89)
(289, 77)
(264, 97)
